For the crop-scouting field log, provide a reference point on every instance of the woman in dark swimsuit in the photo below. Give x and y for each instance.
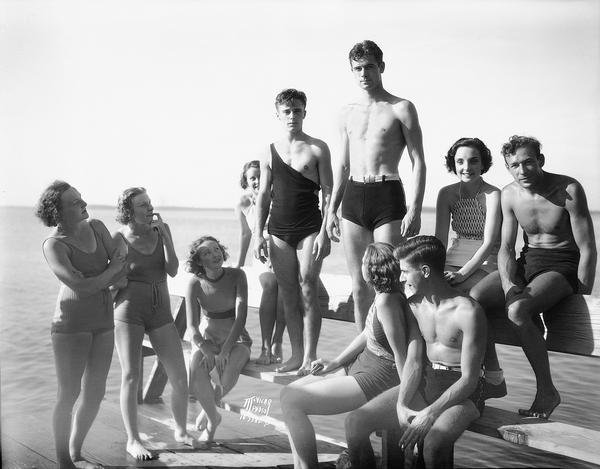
(80, 253)
(216, 304)
(143, 306)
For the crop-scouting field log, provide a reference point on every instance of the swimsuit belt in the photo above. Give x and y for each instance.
(440, 366)
(370, 178)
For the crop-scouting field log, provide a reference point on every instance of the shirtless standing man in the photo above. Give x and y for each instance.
(558, 259)
(374, 129)
(293, 170)
(450, 380)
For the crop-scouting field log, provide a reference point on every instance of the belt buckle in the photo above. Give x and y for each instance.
(370, 178)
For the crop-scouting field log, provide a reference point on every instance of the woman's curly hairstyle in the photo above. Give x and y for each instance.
(193, 261)
(383, 268)
(246, 167)
(125, 207)
(48, 207)
(475, 143)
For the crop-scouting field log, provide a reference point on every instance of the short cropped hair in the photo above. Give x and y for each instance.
(193, 262)
(475, 143)
(383, 268)
(125, 205)
(363, 49)
(288, 95)
(49, 207)
(518, 141)
(246, 167)
(422, 250)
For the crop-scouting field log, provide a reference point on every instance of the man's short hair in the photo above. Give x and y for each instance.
(363, 49)
(519, 141)
(288, 95)
(484, 153)
(423, 250)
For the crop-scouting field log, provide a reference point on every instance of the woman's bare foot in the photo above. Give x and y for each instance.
(542, 406)
(264, 358)
(292, 364)
(208, 435)
(84, 464)
(187, 440)
(305, 368)
(276, 353)
(136, 449)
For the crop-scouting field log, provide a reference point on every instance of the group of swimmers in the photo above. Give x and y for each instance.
(423, 360)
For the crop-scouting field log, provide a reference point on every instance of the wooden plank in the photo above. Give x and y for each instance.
(16, 455)
(267, 373)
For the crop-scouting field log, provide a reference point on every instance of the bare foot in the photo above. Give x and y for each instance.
(292, 364)
(138, 451)
(201, 421)
(188, 440)
(208, 435)
(276, 353)
(265, 358)
(304, 370)
(83, 464)
(543, 405)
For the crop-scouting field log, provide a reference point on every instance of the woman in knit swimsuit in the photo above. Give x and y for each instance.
(270, 310)
(80, 253)
(216, 304)
(142, 306)
(472, 207)
(370, 364)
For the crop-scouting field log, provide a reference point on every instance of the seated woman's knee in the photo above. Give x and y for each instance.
(357, 423)
(291, 398)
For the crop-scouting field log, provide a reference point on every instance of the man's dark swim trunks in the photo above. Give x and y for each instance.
(373, 204)
(435, 383)
(535, 261)
(295, 210)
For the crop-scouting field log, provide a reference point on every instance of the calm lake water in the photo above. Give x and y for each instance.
(28, 294)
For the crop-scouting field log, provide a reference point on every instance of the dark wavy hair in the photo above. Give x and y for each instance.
(48, 208)
(288, 95)
(246, 167)
(519, 141)
(363, 49)
(423, 250)
(475, 143)
(193, 262)
(383, 268)
(124, 207)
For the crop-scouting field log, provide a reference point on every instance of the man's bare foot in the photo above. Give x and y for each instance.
(84, 464)
(276, 353)
(542, 406)
(136, 449)
(208, 435)
(292, 364)
(264, 358)
(305, 369)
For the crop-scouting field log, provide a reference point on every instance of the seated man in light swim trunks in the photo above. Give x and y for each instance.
(375, 129)
(293, 172)
(558, 259)
(439, 397)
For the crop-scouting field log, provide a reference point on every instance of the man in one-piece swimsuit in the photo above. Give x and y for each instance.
(293, 171)
(439, 397)
(375, 129)
(558, 259)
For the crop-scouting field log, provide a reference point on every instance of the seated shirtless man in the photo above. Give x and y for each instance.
(558, 259)
(375, 128)
(295, 168)
(449, 380)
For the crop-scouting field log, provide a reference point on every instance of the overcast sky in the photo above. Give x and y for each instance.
(176, 95)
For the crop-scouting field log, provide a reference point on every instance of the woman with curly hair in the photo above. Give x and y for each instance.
(81, 253)
(371, 364)
(270, 311)
(216, 303)
(142, 306)
(472, 207)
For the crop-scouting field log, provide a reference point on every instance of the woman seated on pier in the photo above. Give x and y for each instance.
(216, 303)
(473, 206)
(81, 254)
(371, 364)
(142, 305)
(270, 310)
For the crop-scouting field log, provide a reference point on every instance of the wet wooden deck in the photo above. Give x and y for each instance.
(27, 442)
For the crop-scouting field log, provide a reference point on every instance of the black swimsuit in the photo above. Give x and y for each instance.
(295, 210)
